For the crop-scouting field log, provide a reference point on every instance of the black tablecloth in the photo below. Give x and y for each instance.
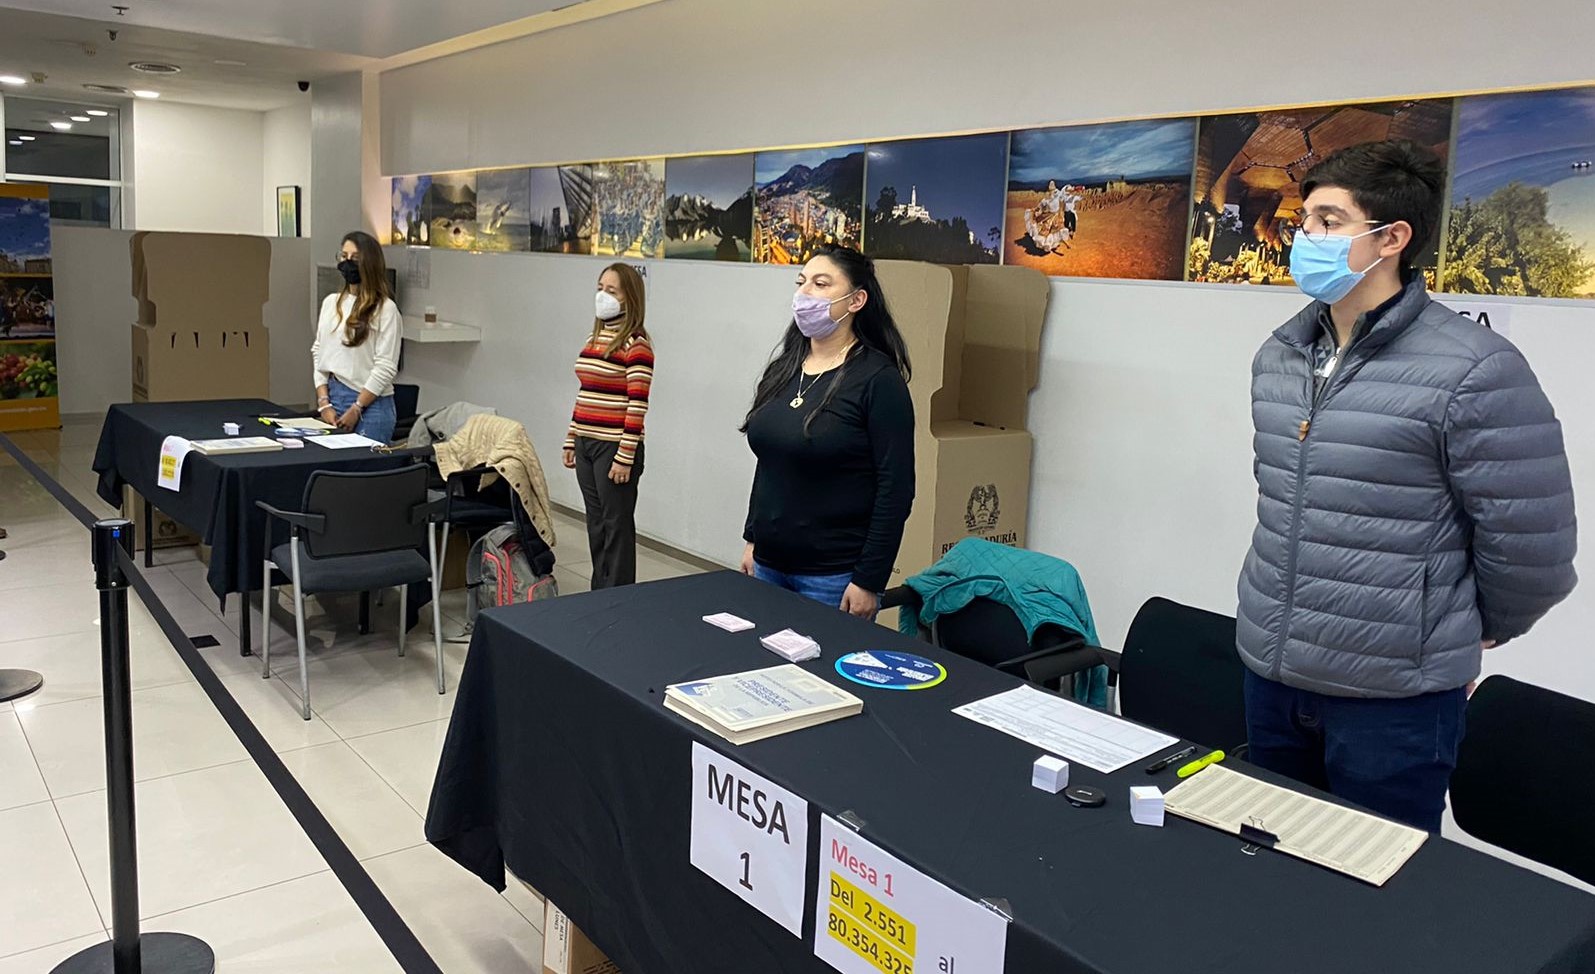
(562, 763)
(218, 495)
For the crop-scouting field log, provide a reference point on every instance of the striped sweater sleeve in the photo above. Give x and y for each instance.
(639, 359)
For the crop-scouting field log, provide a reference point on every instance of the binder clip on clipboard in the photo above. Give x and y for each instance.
(1255, 837)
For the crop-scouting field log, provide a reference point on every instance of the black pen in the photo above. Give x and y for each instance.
(1179, 755)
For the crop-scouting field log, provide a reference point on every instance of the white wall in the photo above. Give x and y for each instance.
(285, 161)
(95, 311)
(197, 168)
(1143, 464)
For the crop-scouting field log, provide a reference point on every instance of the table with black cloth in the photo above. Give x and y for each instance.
(562, 764)
(218, 494)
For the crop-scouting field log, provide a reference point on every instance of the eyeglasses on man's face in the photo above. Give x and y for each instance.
(1316, 226)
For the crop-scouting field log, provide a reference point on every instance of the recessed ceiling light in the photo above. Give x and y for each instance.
(143, 93)
(97, 112)
(11, 79)
(26, 138)
(155, 67)
(61, 126)
(80, 118)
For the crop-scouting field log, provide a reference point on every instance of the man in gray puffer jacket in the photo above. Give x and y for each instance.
(1414, 501)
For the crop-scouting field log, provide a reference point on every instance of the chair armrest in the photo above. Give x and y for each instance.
(901, 597)
(458, 476)
(429, 510)
(299, 519)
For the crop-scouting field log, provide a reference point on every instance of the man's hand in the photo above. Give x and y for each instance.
(857, 602)
(747, 559)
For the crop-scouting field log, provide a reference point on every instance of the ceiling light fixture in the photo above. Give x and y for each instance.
(145, 93)
(13, 141)
(229, 63)
(80, 118)
(26, 138)
(12, 79)
(96, 112)
(61, 126)
(155, 67)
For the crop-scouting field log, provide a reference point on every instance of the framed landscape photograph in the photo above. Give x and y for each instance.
(288, 211)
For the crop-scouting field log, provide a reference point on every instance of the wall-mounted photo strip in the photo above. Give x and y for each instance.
(450, 210)
(504, 210)
(806, 198)
(630, 202)
(1248, 167)
(709, 208)
(936, 199)
(409, 203)
(1522, 218)
(562, 210)
(1105, 200)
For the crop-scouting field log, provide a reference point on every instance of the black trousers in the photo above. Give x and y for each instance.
(611, 512)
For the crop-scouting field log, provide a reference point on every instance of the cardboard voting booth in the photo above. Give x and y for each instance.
(200, 333)
(201, 330)
(566, 950)
(974, 337)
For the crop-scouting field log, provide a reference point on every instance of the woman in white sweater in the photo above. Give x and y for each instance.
(356, 351)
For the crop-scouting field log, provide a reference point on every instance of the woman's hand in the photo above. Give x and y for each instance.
(350, 419)
(569, 459)
(747, 559)
(857, 602)
(329, 415)
(620, 473)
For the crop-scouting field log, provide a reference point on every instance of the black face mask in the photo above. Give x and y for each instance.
(350, 271)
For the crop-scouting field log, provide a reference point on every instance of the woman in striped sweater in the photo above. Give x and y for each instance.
(604, 445)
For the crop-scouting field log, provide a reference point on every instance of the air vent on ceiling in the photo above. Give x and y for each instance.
(107, 89)
(154, 67)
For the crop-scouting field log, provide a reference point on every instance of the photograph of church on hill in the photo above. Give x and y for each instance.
(1105, 200)
(1248, 172)
(939, 200)
(561, 208)
(709, 208)
(806, 198)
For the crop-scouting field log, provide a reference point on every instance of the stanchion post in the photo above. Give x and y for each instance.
(127, 952)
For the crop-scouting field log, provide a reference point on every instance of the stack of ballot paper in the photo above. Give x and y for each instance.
(1146, 805)
(234, 445)
(747, 707)
(728, 622)
(790, 646)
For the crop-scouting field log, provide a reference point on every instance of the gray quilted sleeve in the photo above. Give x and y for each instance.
(1507, 464)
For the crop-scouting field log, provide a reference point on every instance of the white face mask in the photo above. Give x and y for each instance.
(607, 306)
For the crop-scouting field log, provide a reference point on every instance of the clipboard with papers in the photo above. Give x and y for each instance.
(1346, 840)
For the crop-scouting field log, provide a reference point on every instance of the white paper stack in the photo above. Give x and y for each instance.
(728, 622)
(234, 445)
(1146, 805)
(790, 646)
(1050, 774)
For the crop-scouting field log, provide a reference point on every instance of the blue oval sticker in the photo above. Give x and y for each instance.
(891, 671)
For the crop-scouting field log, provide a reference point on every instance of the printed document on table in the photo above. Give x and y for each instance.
(1098, 740)
(344, 441)
(304, 423)
(743, 700)
(173, 450)
(1358, 844)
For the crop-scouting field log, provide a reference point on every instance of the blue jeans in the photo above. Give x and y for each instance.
(376, 420)
(1391, 756)
(827, 589)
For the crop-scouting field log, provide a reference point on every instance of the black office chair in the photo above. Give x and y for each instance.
(1520, 781)
(989, 632)
(1184, 675)
(407, 407)
(357, 531)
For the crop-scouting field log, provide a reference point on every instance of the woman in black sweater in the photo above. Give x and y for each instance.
(833, 429)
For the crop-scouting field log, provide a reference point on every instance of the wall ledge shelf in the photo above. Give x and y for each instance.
(418, 331)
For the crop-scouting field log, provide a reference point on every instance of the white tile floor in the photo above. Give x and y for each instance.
(220, 857)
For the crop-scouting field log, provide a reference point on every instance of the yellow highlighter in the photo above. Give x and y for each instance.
(1200, 763)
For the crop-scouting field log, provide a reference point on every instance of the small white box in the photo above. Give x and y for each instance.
(1146, 805)
(1050, 774)
(231, 429)
(728, 622)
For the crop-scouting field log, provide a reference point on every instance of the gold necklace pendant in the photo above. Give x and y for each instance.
(797, 401)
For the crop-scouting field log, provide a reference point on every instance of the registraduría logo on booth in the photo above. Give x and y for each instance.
(984, 510)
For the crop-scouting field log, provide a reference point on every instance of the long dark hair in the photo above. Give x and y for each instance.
(369, 293)
(873, 328)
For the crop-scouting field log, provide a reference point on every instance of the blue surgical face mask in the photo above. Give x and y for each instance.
(1321, 266)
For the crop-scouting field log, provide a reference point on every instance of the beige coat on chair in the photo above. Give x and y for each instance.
(503, 445)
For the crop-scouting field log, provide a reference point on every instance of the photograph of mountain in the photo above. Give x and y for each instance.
(1248, 171)
(805, 198)
(936, 199)
(630, 200)
(709, 208)
(503, 210)
(409, 201)
(1522, 218)
(450, 211)
(1105, 200)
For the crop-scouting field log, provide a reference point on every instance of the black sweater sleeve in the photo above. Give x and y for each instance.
(891, 434)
